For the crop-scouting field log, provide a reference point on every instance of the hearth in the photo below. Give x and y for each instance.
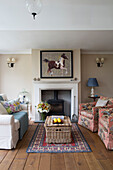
(57, 105)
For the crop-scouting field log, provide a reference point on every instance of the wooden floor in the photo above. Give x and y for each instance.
(18, 159)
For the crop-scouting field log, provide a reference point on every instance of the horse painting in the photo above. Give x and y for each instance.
(60, 64)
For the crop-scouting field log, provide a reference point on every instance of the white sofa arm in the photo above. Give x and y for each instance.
(6, 119)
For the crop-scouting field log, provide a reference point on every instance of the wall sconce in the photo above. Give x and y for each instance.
(99, 62)
(11, 62)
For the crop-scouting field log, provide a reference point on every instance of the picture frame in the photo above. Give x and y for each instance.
(56, 64)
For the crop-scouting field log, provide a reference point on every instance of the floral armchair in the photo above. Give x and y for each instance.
(105, 130)
(88, 114)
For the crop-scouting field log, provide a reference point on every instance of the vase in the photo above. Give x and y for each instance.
(43, 116)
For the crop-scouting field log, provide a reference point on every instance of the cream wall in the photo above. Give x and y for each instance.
(13, 80)
(103, 74)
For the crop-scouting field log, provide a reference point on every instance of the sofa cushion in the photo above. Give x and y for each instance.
(17, 124)
(3, 111)
(12, 106)
(22, 116)
(101, 103)
(17, 102)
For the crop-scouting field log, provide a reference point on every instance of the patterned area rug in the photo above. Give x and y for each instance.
(38, 142)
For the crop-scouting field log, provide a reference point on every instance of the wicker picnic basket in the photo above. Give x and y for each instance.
(58, 133)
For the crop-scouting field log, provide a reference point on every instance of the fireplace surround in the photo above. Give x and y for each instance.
(56, 85)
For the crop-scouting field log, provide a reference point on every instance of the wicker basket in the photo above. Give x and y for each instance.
(58, 133)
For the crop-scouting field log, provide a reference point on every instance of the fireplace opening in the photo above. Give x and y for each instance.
(60, 101)
(57, 105)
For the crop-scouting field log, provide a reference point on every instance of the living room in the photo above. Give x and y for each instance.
(77, 37)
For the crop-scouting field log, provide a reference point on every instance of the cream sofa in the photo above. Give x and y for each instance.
(9, 131)
(9, 128)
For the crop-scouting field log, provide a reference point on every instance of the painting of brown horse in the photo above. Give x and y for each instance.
(60, 64)
(56, 64)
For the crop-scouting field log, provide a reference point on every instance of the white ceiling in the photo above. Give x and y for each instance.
(57, 26)
(58, 15)
(85, 40)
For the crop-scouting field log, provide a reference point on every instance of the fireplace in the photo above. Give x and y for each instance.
(57, 105)
(50, 86)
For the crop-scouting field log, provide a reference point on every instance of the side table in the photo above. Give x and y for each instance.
(94, 98)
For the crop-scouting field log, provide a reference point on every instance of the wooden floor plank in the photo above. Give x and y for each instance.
(106, 164)
(81, 161)
(45, 161)
(93, 163)
(70, 162)
(3, 153)
(57, 161)
(21, 157)
(95, 144)
(32, 161)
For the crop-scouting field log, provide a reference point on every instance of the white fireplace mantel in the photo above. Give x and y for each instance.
(56, 85)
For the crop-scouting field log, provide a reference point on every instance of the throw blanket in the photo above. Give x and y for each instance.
(22, 116)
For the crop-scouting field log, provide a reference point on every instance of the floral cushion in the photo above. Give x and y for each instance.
(18, 104)
(12, 106)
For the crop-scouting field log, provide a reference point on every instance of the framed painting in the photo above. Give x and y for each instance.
(56, 64)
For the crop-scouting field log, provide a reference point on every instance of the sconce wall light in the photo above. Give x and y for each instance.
(99, 62)
(11, 62)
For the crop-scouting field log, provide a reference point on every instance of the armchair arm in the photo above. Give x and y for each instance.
(109, 106)
(86, 106)
(96, 109)
(6, 119)
(108, 112)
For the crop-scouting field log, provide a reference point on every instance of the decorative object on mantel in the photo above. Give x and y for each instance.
(36, 79)
(34, 7)
(11, 62)
(43, 108)
(99, 62)
(24, 97)
(56, 64)
(92, 82)
(74, 79)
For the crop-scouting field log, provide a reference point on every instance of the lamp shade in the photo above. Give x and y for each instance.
(92, 82)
